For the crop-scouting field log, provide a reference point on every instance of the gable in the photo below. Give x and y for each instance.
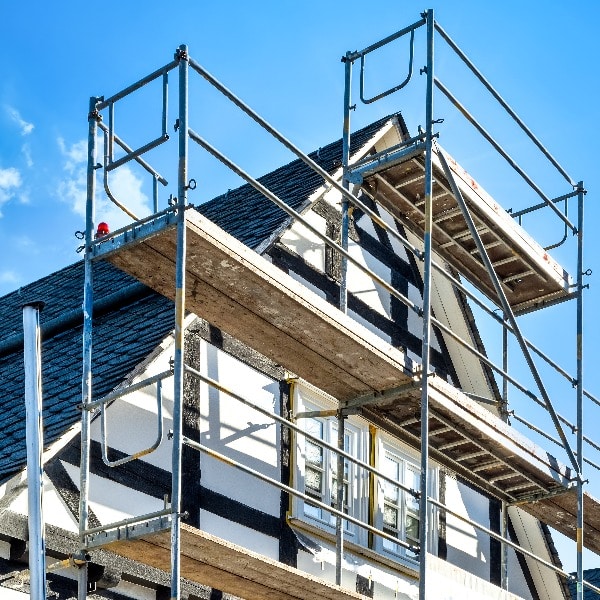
(250, 217)
(130, 322)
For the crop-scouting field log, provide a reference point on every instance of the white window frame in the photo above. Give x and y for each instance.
(308, 398)
(409, 463)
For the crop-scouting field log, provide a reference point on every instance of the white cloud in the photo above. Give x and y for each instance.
(124, 185)
(13, 113)
(8, 277)
(75, 155)
(26, 151)
(10, 182)
(9, 178)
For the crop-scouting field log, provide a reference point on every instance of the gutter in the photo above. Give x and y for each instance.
(74, 318)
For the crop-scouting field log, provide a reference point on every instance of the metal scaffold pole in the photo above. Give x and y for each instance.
(88, 307)
(425, 353)
(345, 161)
(339, 522)
(32, 346)
(182, 187)
(580, 481)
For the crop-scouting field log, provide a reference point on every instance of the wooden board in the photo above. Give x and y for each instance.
(214, 562)
(560, 512)
(530, 277)
(460, 427)
(242, 293)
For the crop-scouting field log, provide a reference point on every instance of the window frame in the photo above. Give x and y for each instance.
(386, 445)
(370, 446)
(308, 398)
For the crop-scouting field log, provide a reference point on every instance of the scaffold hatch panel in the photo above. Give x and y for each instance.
(219, 564)
(529, 275)
(244, 294)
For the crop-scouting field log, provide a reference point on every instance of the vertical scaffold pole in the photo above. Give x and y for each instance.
(35, 445)
(504, 548)
(182, 55)
(504, 417)
(345, 182)
(580, 198)
(423, 504)
(339, 522)
(88, 308)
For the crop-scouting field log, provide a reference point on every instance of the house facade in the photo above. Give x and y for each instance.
(247, 409)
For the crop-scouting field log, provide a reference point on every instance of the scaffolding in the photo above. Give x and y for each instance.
(428, 193)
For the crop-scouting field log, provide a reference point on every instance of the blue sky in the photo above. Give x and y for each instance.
(283, 58)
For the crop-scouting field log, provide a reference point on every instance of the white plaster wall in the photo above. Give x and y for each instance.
(305, 243)
(54, 509)
(238, 431)
(112, 501)
(238, 534)
(468, 548)
(227, 426)
(397, 246)
(362, 285)
(389, 584)
(446, 582)
(12, 594)
(131, 422)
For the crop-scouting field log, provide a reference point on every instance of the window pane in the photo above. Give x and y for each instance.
(314, 453)
(412, 528)
(314, 427)
(313, 481)
(413, 480)
(390, 519)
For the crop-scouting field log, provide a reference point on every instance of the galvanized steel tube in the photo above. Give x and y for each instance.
(579, 350)
(182, 183)
(339, 521)
(346, 184)
(88, 308)
(425, 351)
(35, 446)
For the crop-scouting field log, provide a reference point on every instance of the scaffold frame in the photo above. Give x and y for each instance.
(353, 177)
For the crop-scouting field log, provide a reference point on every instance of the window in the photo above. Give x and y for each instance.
(398, 510)
(320, 470)
(393, 510)
(316, 465)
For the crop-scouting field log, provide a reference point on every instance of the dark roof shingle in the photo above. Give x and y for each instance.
(131, 320)
(252, 218)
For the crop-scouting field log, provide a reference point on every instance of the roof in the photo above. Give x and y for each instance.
(123, 308)
(121, 341)
(251, 217)
(591, 576)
